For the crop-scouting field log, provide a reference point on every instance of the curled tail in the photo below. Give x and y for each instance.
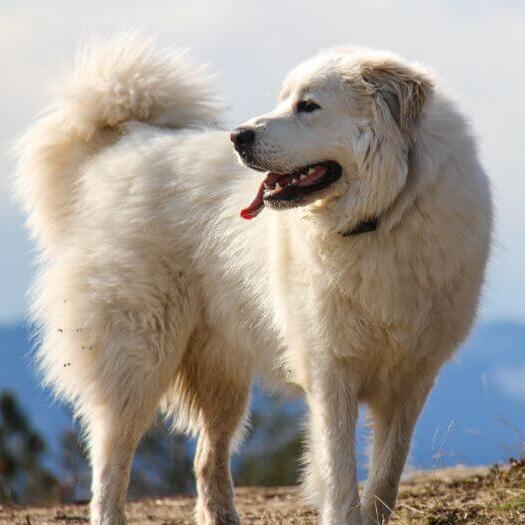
(113, 82)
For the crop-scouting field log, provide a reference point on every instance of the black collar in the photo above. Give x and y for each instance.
(363, 227)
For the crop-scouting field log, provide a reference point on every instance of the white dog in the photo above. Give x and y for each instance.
(357, 283)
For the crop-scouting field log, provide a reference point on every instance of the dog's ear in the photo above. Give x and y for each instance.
(401, 88)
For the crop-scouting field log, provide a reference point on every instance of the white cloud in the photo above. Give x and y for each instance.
(476, 47)
(511, 382)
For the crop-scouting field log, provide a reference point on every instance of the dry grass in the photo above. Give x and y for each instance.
(495, 497)
(458, 496)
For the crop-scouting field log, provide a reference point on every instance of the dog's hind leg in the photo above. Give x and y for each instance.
(139, 353)
(393, 420)
(216, 382)
(120, 409)
(114, 431)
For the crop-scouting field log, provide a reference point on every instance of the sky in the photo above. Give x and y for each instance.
(476, 48)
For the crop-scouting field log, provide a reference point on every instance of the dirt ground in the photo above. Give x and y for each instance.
(485, 496)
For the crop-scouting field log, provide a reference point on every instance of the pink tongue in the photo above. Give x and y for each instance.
(255, 206)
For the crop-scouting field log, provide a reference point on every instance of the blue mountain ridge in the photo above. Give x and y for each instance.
(475, 414)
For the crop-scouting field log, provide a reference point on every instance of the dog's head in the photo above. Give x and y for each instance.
(340, 136)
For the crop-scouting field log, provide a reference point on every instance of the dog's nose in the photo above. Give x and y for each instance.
(243, 137)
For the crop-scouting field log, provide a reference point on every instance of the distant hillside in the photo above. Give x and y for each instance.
(475, 415)
(18, 375)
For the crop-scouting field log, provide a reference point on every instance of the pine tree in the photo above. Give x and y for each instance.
(23, 476)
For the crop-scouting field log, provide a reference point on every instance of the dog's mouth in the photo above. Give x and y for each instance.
(288, 190)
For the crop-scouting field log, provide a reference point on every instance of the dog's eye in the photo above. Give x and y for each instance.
(307, 106)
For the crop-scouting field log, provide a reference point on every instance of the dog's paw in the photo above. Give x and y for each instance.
(216, 516)
(113, 517)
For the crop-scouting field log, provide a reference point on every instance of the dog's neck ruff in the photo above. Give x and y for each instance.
(367, 226)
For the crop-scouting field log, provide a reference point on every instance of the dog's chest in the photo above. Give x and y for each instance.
(357, 301)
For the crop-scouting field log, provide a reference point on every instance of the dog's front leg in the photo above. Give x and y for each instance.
(394, 416)
(332, 476)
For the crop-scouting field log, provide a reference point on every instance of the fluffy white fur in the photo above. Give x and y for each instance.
(153, 292)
